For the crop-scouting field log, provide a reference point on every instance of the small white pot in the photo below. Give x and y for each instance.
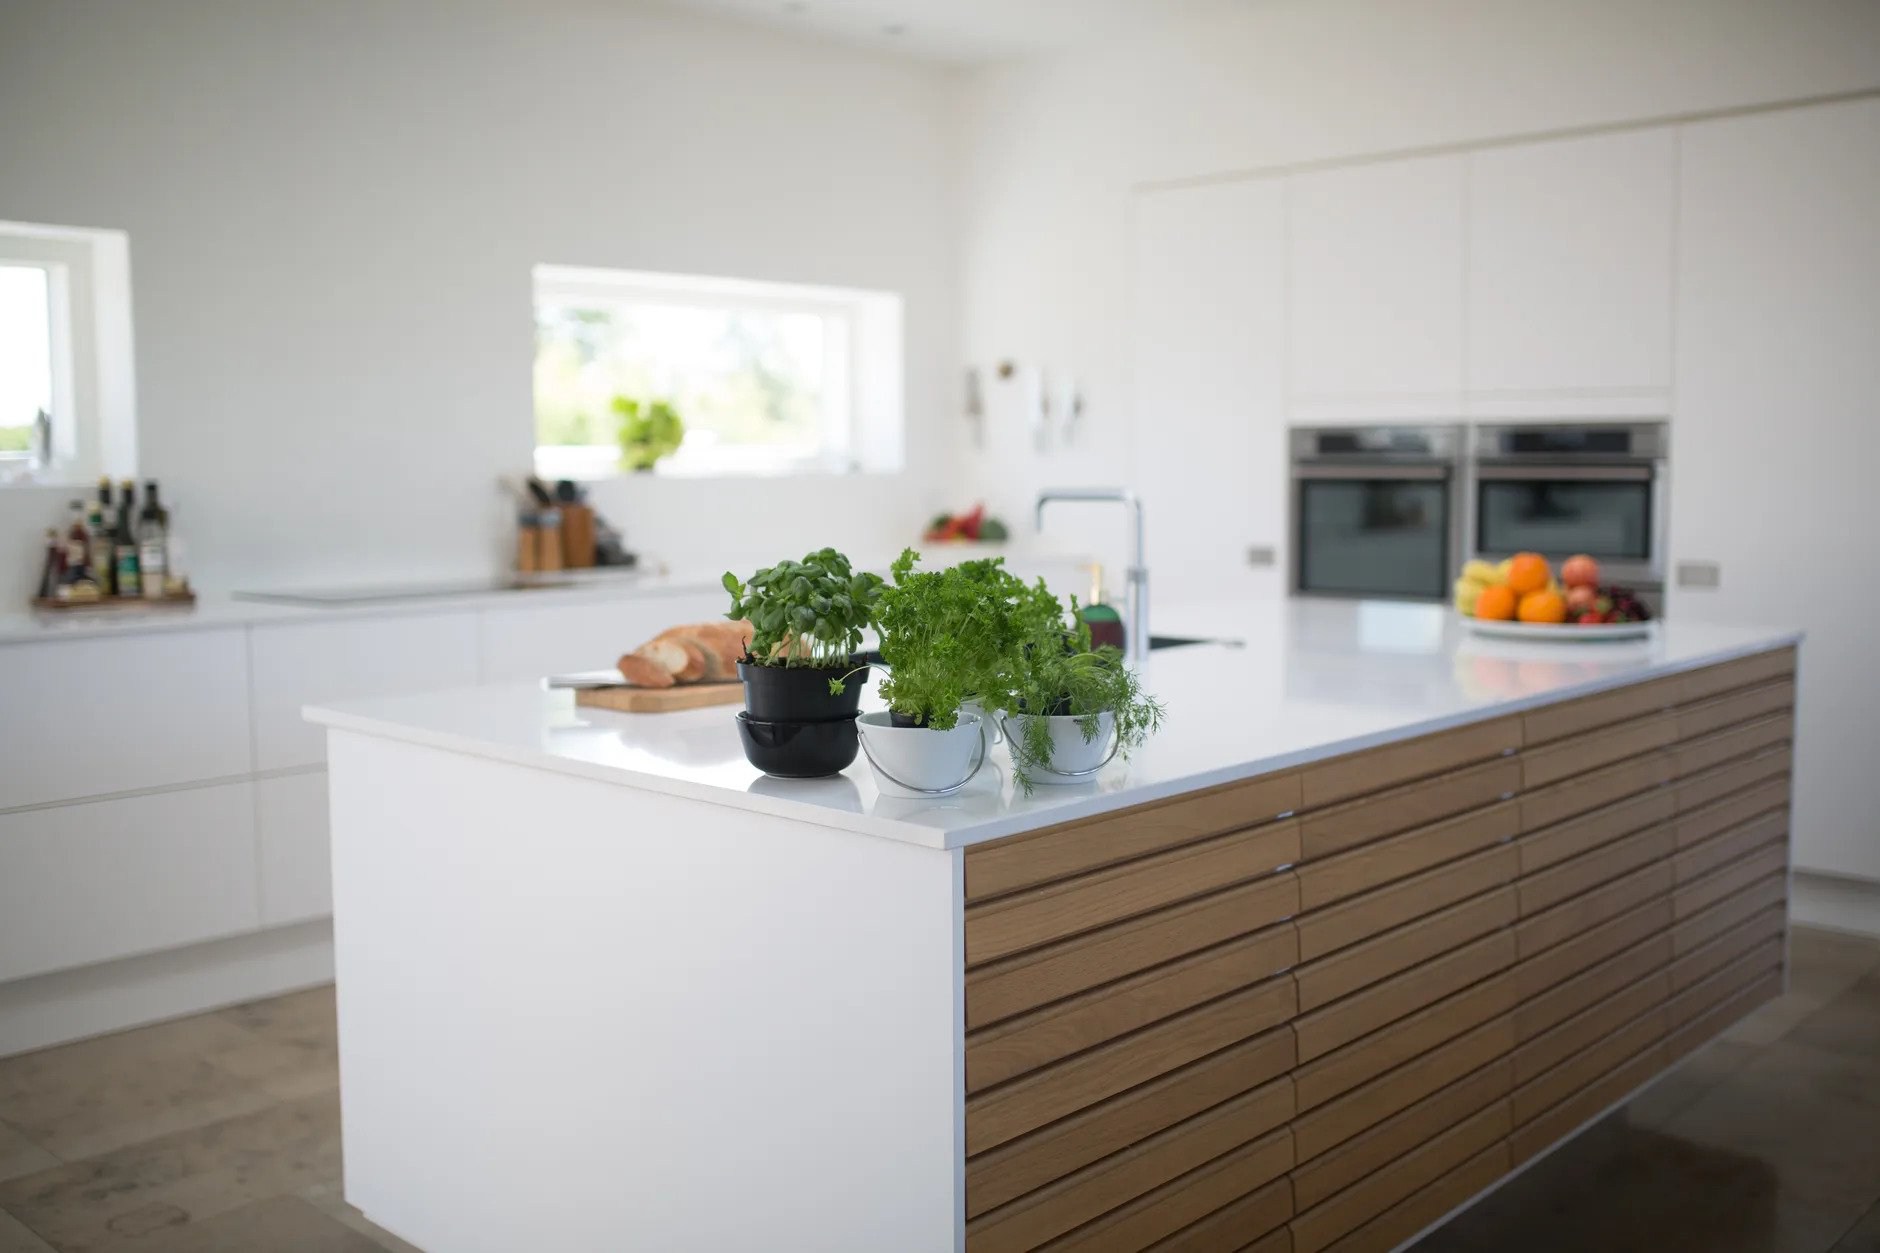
(920, 761)
(1073, 758)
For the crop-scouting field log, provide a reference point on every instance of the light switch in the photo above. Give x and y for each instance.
(1261, 556)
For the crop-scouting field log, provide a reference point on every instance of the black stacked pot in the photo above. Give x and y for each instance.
(793, 726)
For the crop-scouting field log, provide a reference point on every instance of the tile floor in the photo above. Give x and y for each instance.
(220, 1134)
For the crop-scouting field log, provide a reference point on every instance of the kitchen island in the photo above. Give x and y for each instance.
(1382, 914)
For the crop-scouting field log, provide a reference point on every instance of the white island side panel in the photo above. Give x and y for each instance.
(578, 1016)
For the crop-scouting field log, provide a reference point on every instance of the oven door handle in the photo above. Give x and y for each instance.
(1536, 474)
(1359, 473)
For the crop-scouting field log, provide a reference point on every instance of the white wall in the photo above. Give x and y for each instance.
(1052, 152)
(333, 210)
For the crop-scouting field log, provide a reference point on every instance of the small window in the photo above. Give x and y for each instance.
(767, 378)
(25, 365)
(67, 387)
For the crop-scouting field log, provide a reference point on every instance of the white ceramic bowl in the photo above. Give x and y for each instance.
(1073, 758)
(919, 760)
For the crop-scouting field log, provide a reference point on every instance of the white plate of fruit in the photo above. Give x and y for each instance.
(1521, 598)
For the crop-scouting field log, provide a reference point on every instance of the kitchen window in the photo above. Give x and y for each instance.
(768, 378)
(67, 391)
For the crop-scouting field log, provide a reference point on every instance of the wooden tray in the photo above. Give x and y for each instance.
(659, 700)
(107, 603)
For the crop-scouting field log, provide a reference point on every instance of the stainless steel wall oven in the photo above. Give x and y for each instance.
(1376, 510)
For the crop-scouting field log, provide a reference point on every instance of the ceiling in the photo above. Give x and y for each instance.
(959, 32)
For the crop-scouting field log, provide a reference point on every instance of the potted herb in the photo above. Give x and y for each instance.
(802, 686)
(1072, 707)
(647, 432)
(948, 638)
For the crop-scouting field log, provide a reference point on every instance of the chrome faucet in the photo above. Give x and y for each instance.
(1138, 574)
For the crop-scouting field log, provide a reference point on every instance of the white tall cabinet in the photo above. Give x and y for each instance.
(1375, 296)
(1207, 443)
(1777, 433)
(1568, 278)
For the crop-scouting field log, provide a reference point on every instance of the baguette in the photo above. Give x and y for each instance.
(639, 671)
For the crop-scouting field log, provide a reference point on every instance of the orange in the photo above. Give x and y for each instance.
(1498, 602)
(1528, 572)
(1546, 606)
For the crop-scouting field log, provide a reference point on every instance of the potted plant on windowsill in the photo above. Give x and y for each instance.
(802, 686)
(948, 638)
(1072, 707)
(647, 433)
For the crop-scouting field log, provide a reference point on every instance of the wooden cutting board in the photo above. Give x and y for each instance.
(659, 700)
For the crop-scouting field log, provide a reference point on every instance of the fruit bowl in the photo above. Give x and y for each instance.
(1522, 599)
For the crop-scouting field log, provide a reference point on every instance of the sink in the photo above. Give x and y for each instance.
(1158, 642)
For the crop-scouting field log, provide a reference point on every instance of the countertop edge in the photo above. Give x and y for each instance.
(1081, 809)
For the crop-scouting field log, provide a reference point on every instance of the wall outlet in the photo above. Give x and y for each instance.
(1705, 574)
(1261, 556)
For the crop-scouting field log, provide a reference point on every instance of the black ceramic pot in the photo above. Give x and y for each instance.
(799, 750)
(801, 693)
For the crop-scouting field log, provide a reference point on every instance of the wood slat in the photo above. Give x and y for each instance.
(1194, 1196)
(1738, 841)
(1017, 1045)
(1699, 929)
(1319, 1130)
(1713, 784)
(1102, 1186)
(1725, 711)
(1543, 807)
(1374, 769)
(1020, 861)
(1608, 978)
(1360, 965)
(1324, 1030)
(1587, 871)
(1691, 756)
(1338, 1073)
(1277, 1241)
(1323, 832)
(1010, 1171)
(1536, 974)
(1587, 1028)
(1226, 1229)
(1399, 856)
(1588, 1065)
(1714, 680)
(1691, 898)
(1338, 1169)
(1562, 841)
(1327, 930)
(1317, 1228)
(1429, 1203)
(1533, 1138)
(1550, 927)
(1702, 962)
(1574, 717)
(1713, 1022)
(1692, 1003)
(1012, 1109)
(999, 990)
(1056, 911)
(1700, 824)
(1581, 753)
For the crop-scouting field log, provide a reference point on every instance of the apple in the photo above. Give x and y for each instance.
(1579, 570)
(1581, 598)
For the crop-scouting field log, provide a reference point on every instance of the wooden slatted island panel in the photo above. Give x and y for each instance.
(1319, 1009)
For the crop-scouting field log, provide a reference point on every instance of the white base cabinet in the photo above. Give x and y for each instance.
(296, 870)
(112, 878)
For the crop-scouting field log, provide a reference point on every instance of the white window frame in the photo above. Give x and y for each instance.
(863, 432)
(94, 391)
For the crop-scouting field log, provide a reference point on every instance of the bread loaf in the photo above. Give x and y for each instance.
(707, 651)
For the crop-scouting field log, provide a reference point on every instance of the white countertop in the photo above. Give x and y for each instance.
(213, 611)
(1314, 679)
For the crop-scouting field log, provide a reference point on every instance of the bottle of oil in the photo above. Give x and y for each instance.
(153, 544)
(125, 569)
